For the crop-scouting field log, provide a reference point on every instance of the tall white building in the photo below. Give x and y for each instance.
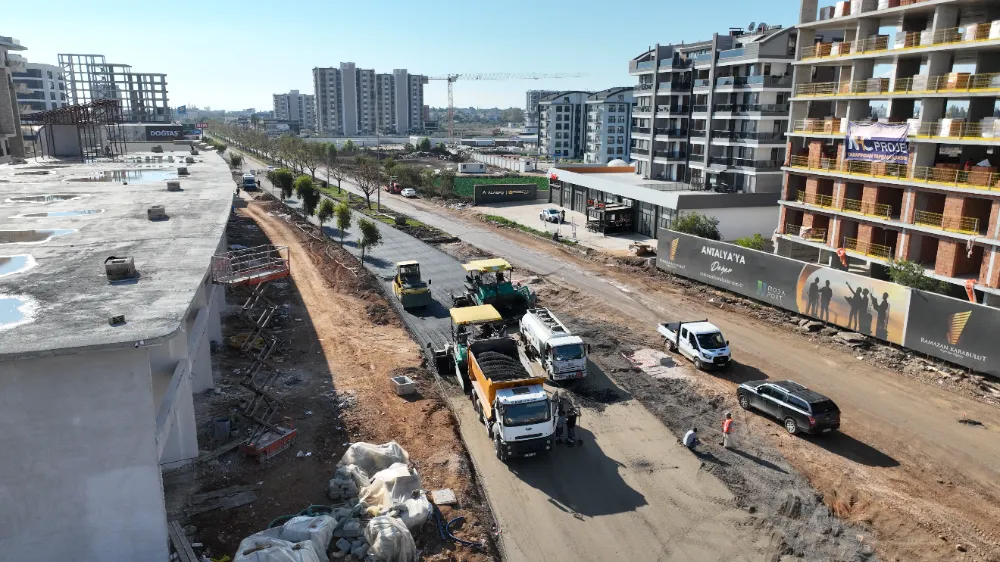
(357, 101)
(609, 126)
(532, 97)
(294, 106)
(40, 87)
(562, 125)
(11, 144)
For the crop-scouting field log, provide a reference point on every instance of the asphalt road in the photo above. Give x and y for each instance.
(630, 492)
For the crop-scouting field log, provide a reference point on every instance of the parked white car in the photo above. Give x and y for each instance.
(408, 192)
(270, 168)
(550, 215)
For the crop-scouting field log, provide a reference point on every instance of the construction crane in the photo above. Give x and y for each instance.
(452, 78)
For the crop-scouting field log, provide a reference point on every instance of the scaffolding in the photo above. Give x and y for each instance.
(252, 269)
(96, 124)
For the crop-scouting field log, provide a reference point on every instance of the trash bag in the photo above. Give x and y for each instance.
(390, 540)
(373, 458)
(414, 512)
(391, 486)
(317, 530)
(259, 548)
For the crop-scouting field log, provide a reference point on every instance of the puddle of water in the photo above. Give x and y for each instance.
(15, 264)
(32, 236)
(16, 310)
(48, 198)
(130, 176)
(59, 214)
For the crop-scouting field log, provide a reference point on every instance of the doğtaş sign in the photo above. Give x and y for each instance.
(164, 133)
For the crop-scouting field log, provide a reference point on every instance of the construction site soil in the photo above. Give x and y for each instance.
(342, 342)
(859, 493)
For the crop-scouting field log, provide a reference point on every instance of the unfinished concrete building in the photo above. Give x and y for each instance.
(107, 314)
(11, 144)
(91, 77)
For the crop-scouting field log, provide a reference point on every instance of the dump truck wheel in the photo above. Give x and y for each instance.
(498, 447)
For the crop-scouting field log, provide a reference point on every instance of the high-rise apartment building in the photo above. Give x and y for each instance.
(562, 125)
(40, 87)
(355, 101)
(294, 106)
(11, 144)
(609, 124)
(143, 95)
(712, 113)
(532, 97)
(893, 138)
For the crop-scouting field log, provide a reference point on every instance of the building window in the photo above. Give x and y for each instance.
(611, 109)
(621, 140)
(621, 150)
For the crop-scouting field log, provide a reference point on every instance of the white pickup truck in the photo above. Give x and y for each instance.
(699, 341)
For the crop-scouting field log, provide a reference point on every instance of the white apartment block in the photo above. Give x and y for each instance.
(713, 113)
(561, 125)
(294, 106)
(609, 126)
(532, 97)
(40, 87)
(11, 144)
(355, 101)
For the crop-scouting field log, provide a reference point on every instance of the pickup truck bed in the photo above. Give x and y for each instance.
(668, 329)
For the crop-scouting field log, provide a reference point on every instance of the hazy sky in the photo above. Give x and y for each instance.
(234, 55)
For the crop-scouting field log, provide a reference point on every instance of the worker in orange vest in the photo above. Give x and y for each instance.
(727, 428)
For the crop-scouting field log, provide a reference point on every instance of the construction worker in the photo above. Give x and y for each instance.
(691, 438)
(727, 428)
(560, 422)
(571, 417)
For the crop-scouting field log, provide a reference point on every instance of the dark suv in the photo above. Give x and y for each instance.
(799, 408)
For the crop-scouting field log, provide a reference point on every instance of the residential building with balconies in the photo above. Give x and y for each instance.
(932, 69)
(40, 87)
(713, 112)
(532, 97)
(562, 125)
(293, 106)
(356, 101)
(11, 143)
(609, 124)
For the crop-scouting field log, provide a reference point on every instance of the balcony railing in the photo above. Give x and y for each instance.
(672, 108)
(675, 85)
(644, 65)
(670, 132)
(745, 163)
(640, 151)
(701, 83)
(960, 130)
(815, 199)
(868, 248)
(956, 82)
(866, 208)
(675, 155)
(642, 87)
(747, 136)
(973, 179)
(642, 109)
(781, 108)
(745, 81)
(641, 130)
(913, 40)
(699, 108)
(806, 232)
(965, 225)
(678, 63)
(698, 132)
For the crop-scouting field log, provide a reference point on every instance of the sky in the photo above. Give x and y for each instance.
(234, 54)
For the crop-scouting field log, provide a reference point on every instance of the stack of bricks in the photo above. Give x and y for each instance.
(343, 487)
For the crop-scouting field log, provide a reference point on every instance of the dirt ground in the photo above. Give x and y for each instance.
(342, 343)
(899, 502)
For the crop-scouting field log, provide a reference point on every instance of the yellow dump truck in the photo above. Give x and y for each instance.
(511, 402)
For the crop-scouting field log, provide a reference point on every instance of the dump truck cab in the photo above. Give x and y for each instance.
(408, 287)
(489, 282)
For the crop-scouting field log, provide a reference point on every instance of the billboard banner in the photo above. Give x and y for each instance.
(758, 275)
(156, 133)
(877, 142)
(954, 330)
(502, 193)
(860, 304)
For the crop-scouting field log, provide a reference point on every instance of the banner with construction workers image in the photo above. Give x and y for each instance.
(861, 304)
(955, 330)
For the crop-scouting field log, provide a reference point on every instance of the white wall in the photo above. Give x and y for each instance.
(79, 473)
(737, 222)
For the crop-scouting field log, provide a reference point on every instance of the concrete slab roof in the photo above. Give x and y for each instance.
(71, 299)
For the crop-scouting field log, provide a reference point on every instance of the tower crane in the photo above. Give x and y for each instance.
(452, 78)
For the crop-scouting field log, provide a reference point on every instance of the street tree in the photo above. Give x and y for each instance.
(325, 212)
(283, 178)
(755, 242)
(308, 193)
(367, 176)
(424, 145)
(911, 274)
(343, 213)
(349, 148)
(313, 156)
(370, 236)
(697, 224)
(408, 148)
(236, 160)
(329, 159)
